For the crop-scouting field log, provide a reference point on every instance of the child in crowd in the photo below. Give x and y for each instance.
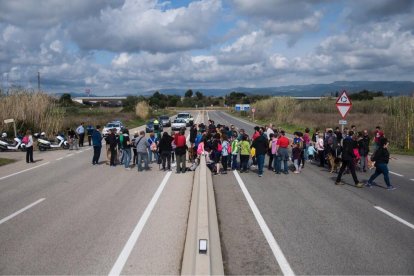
(296, 152)
(311, 152)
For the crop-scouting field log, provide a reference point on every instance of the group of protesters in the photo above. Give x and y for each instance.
(227, 147)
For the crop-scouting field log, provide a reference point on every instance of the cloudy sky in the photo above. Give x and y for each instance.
(133, 46)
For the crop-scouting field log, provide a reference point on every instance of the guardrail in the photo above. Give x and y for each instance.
(202, 251)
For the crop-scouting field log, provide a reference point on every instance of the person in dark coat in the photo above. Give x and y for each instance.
(363, 146)
(347, 160)
(261, 145)
(381, 158)
(112, 141)
(165, 149)
(96, 138)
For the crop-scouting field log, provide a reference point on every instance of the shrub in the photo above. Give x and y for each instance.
(142, 110)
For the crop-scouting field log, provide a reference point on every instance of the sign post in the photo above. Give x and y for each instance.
(253, 111)
(343, 104)
(8, 121)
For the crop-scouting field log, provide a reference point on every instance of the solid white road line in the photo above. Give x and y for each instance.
(396, 174)
(69, 155)
(21, 211)
(394, 217)
(60, 158)
(32, 168)
(126, 251)
(412, 179)
(277, 252)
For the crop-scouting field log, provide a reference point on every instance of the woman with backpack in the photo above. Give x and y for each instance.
(28, 140)
(225, 151)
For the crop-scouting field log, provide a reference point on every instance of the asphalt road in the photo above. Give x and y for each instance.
(61, 215)
(320, 228)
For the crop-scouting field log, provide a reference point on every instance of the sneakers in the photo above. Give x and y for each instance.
(260, 175)
(338, 183)
(359, 185)
(391, 188)
(368, 184)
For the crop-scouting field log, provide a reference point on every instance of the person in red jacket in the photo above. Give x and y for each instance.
(180, 150)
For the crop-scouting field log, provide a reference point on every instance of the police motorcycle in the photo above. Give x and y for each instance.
(44, 144)
(6, 144)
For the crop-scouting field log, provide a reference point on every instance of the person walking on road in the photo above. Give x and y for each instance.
(244, 153)
(282, 153)
(142, 151)
(235, 149)
(319, 145)
(225, 150)
(378, 134)
(126, 149)
(111, 140)
(348, 160)
(89, 131)
(97, 144)
(381, 158)
(165, 149)
(261, 145)
(363, 146)
(29, 147)
(81, 133)
(73, 139)
(180, 151)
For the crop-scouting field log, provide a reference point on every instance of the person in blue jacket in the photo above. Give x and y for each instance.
(97, 145)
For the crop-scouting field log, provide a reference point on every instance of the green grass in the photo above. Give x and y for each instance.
(5, 161)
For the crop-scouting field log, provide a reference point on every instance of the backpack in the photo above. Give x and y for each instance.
(219, 147)
(153, 146)
(200, 148)
(229, 149)
(25, 140)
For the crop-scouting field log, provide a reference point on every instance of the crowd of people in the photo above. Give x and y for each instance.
(228, 148)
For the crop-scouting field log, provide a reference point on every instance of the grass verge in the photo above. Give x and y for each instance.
(5, 161)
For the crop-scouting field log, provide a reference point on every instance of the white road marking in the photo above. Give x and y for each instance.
(277, 252)
(412, 179)
(21, 211)
(32, 168)
(396, 174)
(69, 155)
(126, 251)
(394, 217)
(60, 158)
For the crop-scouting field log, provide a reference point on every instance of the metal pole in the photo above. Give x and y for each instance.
(15, 131)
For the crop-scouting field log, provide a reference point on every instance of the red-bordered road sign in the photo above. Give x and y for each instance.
(343, 104)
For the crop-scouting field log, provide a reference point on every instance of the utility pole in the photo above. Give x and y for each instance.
(38, 81)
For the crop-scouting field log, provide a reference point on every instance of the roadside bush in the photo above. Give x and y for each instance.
(142, 110)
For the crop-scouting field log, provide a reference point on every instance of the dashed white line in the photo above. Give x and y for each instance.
(277, 252)
(21, 211)
(396, 174)
(394, 217)
(412, 179)
(60, 158)
(70, 155)
(126, 251)
(32, 168)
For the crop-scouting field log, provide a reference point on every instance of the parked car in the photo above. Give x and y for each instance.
(178, 124)
(165, 120)
(189, 120)
(150, 126)
(114, 124)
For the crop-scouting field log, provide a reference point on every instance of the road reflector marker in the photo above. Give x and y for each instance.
(395, 217)
(21, 211)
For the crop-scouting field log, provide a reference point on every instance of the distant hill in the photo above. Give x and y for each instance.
(391, 88)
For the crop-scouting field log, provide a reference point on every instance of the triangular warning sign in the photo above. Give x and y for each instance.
(343, 99)
(343, 109)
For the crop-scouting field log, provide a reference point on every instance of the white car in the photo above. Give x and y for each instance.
(189, 120)
(116, 124)
(178, 124)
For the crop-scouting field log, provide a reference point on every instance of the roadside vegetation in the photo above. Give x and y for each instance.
(5, 161)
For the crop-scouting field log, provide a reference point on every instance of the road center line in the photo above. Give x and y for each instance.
(126, 251)
(277, 252)
(395, 217)
(396, 174)
(32, 168)
(60, 158)
(21, 211)
(412, 179)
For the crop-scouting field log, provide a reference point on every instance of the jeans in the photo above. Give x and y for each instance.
(260, 163)
(150, 154)
(283, 155)
(296, 162)
(81, 138)
(234, 164)
(181, 166)
(276, 162)
(381, 168)
(142, 156)
(321, 155)
(96, 154)
(270, 165)
(166, 158)
(364, 162)
(113, 156)
(243, 160)
(29, 154)
(224, 162)
(126, 157)
(305, 153)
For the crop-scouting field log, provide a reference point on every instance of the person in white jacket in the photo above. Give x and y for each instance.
(321, 149)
